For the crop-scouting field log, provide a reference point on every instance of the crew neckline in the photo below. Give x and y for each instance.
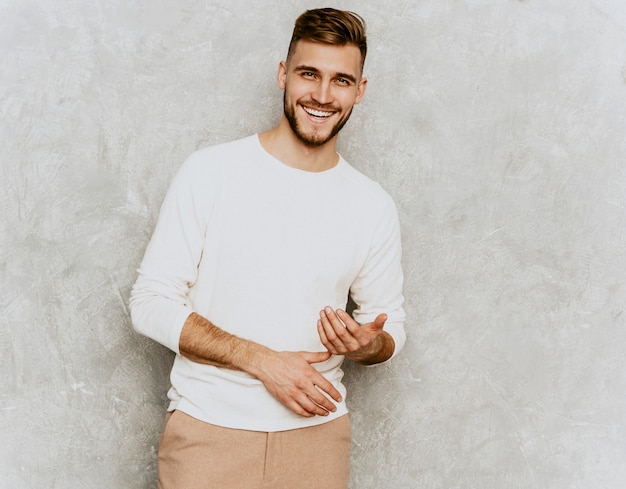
(270, 157)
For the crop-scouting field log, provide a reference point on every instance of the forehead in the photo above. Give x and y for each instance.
(329, 58)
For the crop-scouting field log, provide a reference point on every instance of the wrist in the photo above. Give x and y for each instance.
(378, 351)
(251, 357)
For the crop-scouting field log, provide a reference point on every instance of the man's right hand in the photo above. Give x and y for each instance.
(288, 376)
(291, 379)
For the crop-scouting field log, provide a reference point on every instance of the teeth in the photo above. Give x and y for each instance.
(317, 113)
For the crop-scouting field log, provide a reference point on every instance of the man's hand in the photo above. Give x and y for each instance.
(291, 379)
(341, 335)
(288, 376)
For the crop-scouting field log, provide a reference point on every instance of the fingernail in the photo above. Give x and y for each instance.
(328, 310)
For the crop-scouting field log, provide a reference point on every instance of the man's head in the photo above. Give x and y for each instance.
(330, 26)
(322, 76)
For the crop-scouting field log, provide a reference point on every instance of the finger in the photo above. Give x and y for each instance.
(331, 316)
(316, 404)
(311, 402)
(330, 340)
(322, 402)
(329, 337)
(305, 407)
(357, 330)
(351, 325)
(331, 323)
(315, 357)
(325, 386)
(299, 410)
(324, 339)
(317, 379)
(337, 332)
(307, 401)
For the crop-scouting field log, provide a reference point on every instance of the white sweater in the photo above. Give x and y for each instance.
(259, 248)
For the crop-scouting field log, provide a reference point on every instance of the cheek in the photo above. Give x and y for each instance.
(349, 100)
(290, 89)
(295, 94)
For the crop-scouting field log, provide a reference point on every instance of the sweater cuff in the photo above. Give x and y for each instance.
(396, 331)
(174, 336)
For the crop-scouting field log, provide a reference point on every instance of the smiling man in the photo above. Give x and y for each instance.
(327, 95)
(258, 245)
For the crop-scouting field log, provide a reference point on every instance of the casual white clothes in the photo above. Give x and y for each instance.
(259, 248)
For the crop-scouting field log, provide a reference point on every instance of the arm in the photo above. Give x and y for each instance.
(366, 344)
(288, 376)
(377, 292)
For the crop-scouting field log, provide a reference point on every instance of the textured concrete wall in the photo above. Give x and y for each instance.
(498, 126)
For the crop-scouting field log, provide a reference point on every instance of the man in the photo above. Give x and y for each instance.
(258, 244)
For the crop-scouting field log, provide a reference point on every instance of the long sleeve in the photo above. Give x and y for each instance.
(378, 286)
(159, 304)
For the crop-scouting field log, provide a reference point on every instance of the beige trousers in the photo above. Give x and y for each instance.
(198, 455)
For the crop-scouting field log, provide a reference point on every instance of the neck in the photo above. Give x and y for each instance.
(284, 145)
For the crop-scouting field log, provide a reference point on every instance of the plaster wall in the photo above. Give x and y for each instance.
(498, 127)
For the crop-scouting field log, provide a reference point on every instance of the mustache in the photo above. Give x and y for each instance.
(315, 105)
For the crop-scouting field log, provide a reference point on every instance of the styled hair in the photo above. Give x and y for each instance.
(330, 26)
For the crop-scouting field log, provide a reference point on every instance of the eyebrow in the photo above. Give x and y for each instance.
(313, 69)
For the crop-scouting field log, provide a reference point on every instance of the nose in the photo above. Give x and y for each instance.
(323, 93)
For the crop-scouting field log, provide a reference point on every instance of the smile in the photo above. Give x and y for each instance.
(317, 113)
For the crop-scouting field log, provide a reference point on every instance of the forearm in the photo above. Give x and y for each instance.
(203, 342)
(288, 376)
(379, 351)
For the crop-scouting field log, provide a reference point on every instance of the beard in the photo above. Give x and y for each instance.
(313, 138)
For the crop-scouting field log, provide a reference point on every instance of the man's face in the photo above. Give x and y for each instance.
(322, 83)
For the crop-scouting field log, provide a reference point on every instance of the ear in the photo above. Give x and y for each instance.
(282, 75)
(360, 90)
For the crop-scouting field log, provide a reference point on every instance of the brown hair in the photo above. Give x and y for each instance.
(330, 26)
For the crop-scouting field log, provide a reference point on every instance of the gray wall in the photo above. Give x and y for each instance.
(498, 126)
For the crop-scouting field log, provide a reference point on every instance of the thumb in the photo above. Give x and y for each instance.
(315, 357)
(379, 322)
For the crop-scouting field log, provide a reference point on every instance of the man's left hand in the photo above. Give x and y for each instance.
(342, 335)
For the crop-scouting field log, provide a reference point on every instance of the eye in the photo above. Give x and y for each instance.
(308, 74)
(343, 81)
